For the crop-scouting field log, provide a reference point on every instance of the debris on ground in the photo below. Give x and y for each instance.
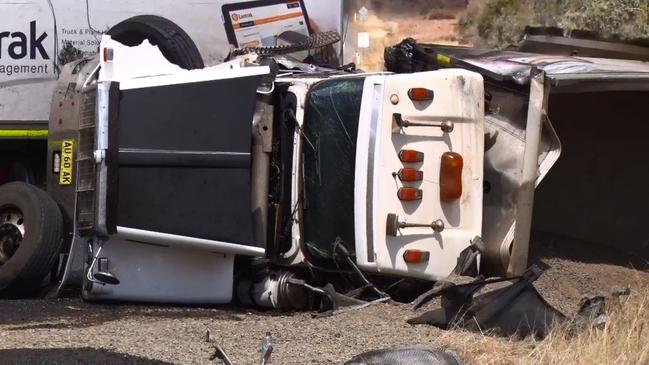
(406, 356)
(515, 310)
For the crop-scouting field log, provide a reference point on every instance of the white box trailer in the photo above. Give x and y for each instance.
(34, 35)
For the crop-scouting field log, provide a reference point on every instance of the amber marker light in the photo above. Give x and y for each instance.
(451, 176)
(410, 194)
(410, 175)
(415, 256)
(420, 94)
(411, 156)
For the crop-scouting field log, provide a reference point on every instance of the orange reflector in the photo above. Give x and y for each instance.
(450, 179)
(420, 94)
(411, 156)
(410, 194)
(410, 175)
(415, 256)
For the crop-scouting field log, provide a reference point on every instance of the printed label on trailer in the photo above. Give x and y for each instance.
(267, 25)
(67, 152)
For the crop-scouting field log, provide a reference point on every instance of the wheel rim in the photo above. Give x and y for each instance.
(12, 232)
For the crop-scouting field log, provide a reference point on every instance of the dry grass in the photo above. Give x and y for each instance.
(624, 340)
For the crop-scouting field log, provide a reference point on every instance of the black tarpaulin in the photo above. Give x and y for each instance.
(515, 310)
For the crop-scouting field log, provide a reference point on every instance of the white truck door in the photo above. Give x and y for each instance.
(419, 172)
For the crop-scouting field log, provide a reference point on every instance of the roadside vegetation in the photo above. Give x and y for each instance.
(623, 340)
(499, 23)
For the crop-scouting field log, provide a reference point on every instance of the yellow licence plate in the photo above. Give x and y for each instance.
(67, 154)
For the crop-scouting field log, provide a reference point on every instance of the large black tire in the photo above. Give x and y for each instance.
(172, 40)
(23, 272)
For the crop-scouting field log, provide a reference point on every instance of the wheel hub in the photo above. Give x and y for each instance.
(12, 232)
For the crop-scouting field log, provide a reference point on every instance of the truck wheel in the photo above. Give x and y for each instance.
(31, 226)
(173, 42)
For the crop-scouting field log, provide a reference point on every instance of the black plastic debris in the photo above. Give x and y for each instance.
(408, 57)
(406, 356)
(593, 309)
(515, 310)
(467, 261)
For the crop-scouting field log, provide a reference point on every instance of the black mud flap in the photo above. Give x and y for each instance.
(179, 155)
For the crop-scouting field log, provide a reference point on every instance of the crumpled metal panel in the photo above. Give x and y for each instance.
(514, 67)
(504, 150)
(518, 65)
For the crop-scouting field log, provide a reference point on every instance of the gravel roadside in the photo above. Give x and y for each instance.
(66, 331)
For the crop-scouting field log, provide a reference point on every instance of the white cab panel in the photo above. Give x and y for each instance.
(163, 274)
(459, 98)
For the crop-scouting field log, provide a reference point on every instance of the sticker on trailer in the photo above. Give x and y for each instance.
(67, 154)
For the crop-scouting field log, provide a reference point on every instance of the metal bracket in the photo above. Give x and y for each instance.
(100, 156)
(393, 225)
(446, 126)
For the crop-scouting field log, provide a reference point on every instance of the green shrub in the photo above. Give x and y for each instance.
(499, 23)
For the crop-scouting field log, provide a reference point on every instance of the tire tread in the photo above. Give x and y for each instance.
(176, 40)
(28, 278)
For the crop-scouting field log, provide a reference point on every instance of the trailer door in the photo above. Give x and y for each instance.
(177, 154)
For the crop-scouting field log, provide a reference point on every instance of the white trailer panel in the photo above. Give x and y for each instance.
(33, 36)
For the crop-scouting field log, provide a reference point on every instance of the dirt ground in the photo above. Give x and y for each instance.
(69, 331)
(427, 21)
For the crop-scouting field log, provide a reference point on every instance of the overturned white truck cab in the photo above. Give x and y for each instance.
(185, 182)
(268, 181)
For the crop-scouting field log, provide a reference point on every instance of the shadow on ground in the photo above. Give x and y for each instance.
(548, 245)
(71, 356)
(74, 313)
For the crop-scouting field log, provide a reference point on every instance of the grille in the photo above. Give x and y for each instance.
(86, 179)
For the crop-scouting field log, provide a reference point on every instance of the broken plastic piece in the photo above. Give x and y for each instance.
(266, 349)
